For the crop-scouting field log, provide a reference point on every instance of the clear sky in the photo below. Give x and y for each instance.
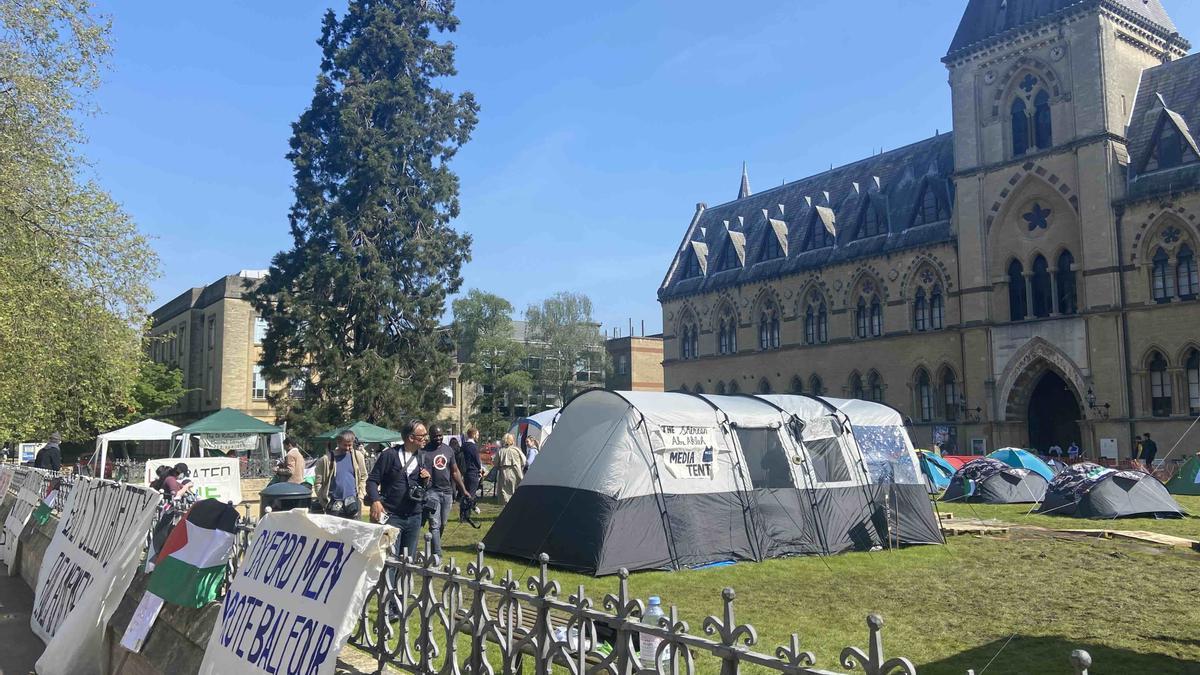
(602, 124)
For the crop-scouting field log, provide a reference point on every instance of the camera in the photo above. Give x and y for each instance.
(417, 492)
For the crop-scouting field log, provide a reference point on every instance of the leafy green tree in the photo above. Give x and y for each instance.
(491, 359)
(157, 388)
(563, 333)
(74, 271)
(354, 306)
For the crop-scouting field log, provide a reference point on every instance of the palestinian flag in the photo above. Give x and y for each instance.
(191, 565)
(41, 514)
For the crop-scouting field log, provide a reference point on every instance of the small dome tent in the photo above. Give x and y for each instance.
(536, 426)
(1023, 459)
(1089, 490)
(1186, 481)
(994, 482)
(938, 471)
(670, 480)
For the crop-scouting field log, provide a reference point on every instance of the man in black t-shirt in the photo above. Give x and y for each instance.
(438, 459)
(1149, 450)
(390, 485)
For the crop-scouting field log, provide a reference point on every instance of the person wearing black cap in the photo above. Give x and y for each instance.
(50, 456)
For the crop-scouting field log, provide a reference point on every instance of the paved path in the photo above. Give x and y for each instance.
(21, 647)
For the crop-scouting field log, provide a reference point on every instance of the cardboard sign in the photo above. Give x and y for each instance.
(688, 451)
(297, 596)
(86, 570)
(212, 477)
(31, 487)
(141, 622)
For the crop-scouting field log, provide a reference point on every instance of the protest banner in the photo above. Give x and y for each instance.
(86, 570)
(212, 477)
(297, 596)
(6, 477)
(31, 488)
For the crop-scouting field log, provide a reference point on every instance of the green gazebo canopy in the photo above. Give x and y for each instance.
(229, 421)
(365, 432)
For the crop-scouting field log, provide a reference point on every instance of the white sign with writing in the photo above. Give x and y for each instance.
(1108, 448)
(297, 596)
(86, 570)
(212, 477)
(31, 487)
(225, 442)
(688, 451)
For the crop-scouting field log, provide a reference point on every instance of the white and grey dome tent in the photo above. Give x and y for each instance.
(669, 480)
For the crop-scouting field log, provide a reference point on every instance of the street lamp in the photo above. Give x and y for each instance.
(1101, 410)
(972, 415)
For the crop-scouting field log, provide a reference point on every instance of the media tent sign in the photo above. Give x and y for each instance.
(86, 570)
(297, 596)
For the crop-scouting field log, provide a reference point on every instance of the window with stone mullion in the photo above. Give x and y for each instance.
(920, 317)
(937, 309)
(1163, 282)
(1160, 387)
(1187, 282)
(1192, 367)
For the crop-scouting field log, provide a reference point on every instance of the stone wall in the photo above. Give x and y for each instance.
(175, 643)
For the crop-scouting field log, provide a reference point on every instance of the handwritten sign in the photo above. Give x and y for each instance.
(226, 442)
(31, 486)
(212, 477)
(687, 451)
(86, 570)
(297, 596)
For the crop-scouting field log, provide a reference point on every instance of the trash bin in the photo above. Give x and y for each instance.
(285, 496)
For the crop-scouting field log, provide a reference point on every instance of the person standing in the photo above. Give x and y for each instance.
(1149, 450)
(341, 479)
(50, 456)
(396, 485)
(531, 451)
(293, 461)
(1137, 448)
(472, 469)
(1073, 452)
(510, 462)
(438, 459)
(1056, 451)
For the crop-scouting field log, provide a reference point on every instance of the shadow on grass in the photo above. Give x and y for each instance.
(1051, 656)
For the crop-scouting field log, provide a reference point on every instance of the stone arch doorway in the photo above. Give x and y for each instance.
(1053, 413)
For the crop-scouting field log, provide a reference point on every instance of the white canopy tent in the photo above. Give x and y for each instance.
(146, 430)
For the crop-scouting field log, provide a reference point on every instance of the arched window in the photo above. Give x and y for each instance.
(875, 387)
(1192, 366)
(818, 234)
(733, 387)
(1186, 279)
(931, 209)
(1067, 302)
(810, 326)
(721, 388)
(722, 338)
(937, 309)
(822, 324)
(924, 396)
(727, 335)
(685, 343)
(771, 247)
(1043, 298)
(1016, 291)
(876, 317)
(699, 388)
(1020, 128)
(871, 225)
(768, 329)
(950, 395)
(1041, 121)
(856, 386)
(695, 342)
(1163, 280)
(764, 387)
(797, 385)
(920, 316)
(815, 386)
(1160, 386)
(860, 318)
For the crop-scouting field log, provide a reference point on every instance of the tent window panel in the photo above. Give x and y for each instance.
(828, 463)
(886, 452)
(766, 460)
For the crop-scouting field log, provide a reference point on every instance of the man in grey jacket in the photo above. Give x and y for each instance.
(50, 456)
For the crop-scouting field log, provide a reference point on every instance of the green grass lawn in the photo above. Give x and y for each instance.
(1019, 514)
(952, 607)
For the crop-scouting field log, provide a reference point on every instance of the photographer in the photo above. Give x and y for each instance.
(397, 487)
(340, 479)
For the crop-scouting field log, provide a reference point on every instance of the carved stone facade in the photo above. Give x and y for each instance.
(1060, 302)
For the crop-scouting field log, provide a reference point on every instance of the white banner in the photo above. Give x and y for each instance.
(688, 451)
(225, 442)
(86, 571)
(212, 477)
(301, 571)
(30, 490)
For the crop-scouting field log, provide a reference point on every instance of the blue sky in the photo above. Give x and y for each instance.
(602, 124)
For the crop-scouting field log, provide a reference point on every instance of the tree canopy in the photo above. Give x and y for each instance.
(74, 271)
(354, 306)
(492, 361)
(569, 343)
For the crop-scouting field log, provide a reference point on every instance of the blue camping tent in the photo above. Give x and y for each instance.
(1023, 459)
(937, 471)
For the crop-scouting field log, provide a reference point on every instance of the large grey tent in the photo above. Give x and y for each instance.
(667, 480)
(1089, 490)
(994, 482)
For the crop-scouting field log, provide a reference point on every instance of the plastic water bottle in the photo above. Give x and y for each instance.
(648, 646)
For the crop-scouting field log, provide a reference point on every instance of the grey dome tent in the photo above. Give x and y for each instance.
(994, 482)
(1089, 490)
(646, 480)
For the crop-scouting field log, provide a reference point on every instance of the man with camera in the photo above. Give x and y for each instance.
(340, 479)
(397, 487)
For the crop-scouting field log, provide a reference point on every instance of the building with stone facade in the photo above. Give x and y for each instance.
(1028, 279)
(636, 363)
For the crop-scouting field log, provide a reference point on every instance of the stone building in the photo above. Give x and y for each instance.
(636, 362)
(1028, 279)
(214, 336)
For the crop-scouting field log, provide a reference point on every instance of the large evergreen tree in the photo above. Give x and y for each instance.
(354, 306)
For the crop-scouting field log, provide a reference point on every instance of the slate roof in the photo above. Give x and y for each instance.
(987, 19)
(1178, 84)
(903, 175)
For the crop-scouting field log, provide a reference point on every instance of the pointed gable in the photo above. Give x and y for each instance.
(1163, 152)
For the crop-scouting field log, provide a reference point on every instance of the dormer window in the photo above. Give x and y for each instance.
(1170, 148)
(728, 259)
(691, 268)
(771, 247)
(818, 234)
(930, 209)
(871, 225)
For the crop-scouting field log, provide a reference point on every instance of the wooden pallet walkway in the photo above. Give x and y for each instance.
(961, 528)
(1141, 536)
